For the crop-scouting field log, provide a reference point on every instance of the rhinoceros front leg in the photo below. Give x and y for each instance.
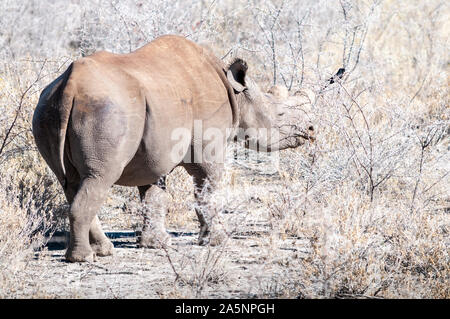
(155, 204)
(206, 178)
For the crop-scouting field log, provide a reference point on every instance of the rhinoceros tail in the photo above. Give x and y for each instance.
(65, 109)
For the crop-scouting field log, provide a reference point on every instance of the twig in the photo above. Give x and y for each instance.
(177, 275)
(19, 108)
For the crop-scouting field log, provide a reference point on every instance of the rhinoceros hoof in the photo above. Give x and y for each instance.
(154, 239)
(80, 256)
(104, 248)
(213, 238)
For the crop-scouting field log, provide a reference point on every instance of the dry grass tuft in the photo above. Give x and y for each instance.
(361, 213)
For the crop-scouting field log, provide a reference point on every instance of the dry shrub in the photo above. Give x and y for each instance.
(197, 273)
(361, 249)
(370, 197)
(31, 202)
(30, 211)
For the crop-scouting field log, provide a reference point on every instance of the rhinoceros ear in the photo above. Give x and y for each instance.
(236, 75)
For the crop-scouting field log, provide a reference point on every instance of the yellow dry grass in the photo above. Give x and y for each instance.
(371, 197)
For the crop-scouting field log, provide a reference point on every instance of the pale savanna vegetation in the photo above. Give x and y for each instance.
(364, 210)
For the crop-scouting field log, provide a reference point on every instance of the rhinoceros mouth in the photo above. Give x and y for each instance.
(306, 136)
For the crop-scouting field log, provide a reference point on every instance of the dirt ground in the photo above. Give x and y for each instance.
(253, 262)
(245, 266)
(274, 249)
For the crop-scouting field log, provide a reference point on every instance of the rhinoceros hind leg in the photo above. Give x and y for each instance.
(83, 209)
(155, 201)
(100, 244)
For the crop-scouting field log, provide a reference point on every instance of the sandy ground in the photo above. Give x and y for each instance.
(245, 266)
(253, 262)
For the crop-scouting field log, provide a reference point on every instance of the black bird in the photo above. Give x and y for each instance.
(339, 74)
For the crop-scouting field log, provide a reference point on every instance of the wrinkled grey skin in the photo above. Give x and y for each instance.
(108, 119)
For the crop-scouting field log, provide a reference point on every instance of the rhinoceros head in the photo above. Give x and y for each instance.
(274, 120)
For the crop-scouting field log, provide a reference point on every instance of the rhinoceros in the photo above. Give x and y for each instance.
(112, 118)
